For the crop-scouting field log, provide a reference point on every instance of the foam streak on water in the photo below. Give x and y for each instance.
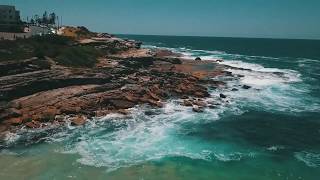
(140, 138)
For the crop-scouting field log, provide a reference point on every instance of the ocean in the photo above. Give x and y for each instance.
(271, 131)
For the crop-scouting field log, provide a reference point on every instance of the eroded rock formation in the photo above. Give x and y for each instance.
(36, 92)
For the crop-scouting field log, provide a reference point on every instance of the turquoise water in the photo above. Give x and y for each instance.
(271, 131)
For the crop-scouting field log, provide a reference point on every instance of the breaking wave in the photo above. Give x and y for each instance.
(117, 141)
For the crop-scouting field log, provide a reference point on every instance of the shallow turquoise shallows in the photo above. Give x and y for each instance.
(271, 131)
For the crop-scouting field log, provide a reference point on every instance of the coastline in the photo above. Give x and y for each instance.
(268, 101)
(50, 95)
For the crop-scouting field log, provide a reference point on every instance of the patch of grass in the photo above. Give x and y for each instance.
(60, 48)
(78, 56)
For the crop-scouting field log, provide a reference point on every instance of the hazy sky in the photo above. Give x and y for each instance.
(231, 18)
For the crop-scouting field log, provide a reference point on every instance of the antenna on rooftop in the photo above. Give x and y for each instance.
(58, 22)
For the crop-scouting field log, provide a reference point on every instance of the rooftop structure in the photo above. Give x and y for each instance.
(9, 15)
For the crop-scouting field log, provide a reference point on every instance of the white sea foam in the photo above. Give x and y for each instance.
(140, 138)
(11, 137)
(275, 148)
(273, 89)
(237, 156)
(310, 159)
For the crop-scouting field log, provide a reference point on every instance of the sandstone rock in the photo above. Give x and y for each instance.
(155, 103)
(179, 91)
(3, 128)
(131, 98)
(200, 103)
(122, 104)
(201, 94)
(43, 94)
(153, 95)
(33, 124)
(51, 111)
(184, 97)
(10, 113)
(101, 113)
(123, 111)
(78, 121)
(70, 109)
(187, 103)
(150, 101)
(15, 121)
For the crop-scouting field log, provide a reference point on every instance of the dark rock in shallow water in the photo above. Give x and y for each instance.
(198, 59)
(152, 112)
(212, 107)
(223, 96)
(197, 109)
(246, 87)
(234, 89)
(149, 113)
(228, 73)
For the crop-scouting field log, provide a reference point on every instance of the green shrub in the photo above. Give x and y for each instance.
(61, 49)
(78, 56)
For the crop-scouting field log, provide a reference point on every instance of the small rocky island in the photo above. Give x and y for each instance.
(78, 75)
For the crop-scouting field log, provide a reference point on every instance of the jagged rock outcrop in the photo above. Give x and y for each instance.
(36, 92)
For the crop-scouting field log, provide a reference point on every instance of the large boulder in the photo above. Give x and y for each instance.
(246, 87)
(198, 59)
(78, 121)
(223, 96)
(187, 103)
(33, 124)
(200, 103)
(121, 103)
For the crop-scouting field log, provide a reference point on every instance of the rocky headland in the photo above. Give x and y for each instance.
(44, 88)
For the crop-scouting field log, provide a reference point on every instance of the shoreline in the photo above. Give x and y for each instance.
(120, 80)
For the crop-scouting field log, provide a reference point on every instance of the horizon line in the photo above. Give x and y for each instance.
(208, 36)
